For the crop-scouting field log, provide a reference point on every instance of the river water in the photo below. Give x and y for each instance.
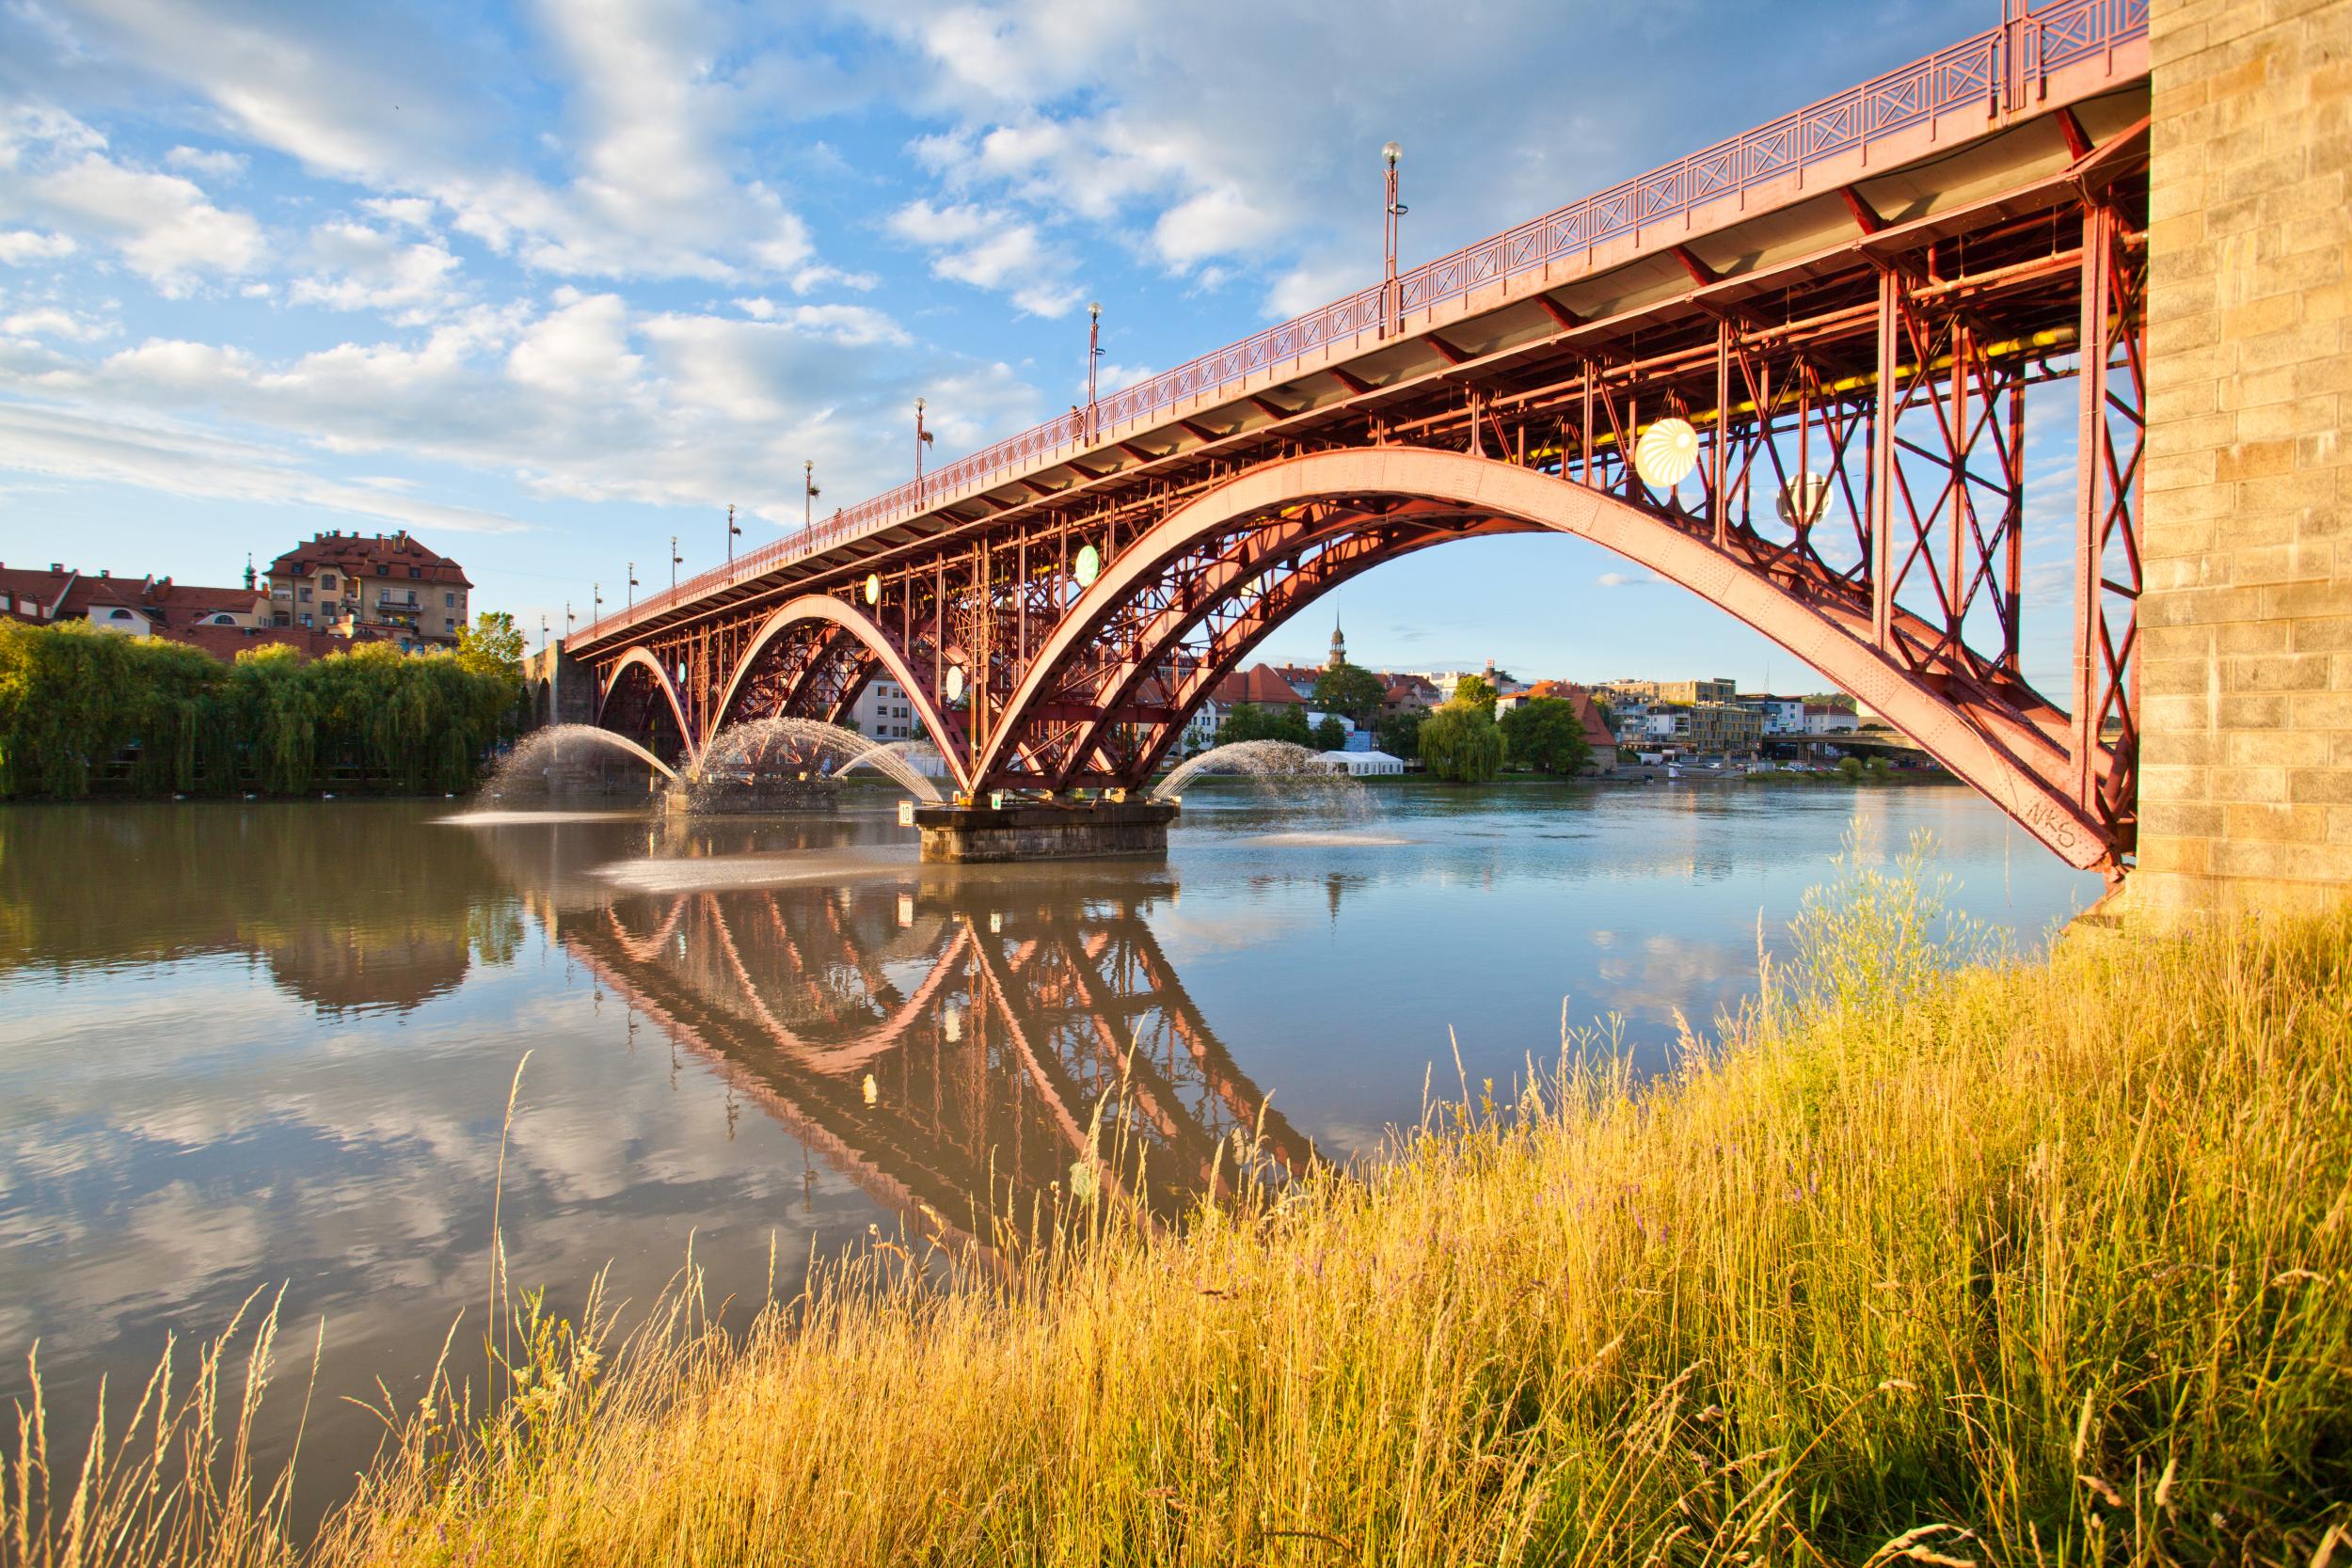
(247, 1046)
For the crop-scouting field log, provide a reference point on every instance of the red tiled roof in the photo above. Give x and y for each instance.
(159, 599)
(359, 555)
(42, 589)
(1588, 714)
(1260, 684)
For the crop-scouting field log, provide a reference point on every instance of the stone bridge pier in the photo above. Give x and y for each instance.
(2246, 623)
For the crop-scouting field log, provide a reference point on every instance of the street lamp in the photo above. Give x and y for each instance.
(596, 601)
(1094, 359)
(922, 439)
(808, 492)
(1392, 303)
(632, 585)
(542, 632)
(568, 619)
(732, 533)
(675, 559)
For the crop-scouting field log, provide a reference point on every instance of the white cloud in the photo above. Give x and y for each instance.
(584, 343)
(110, 444)
(647, 190)
(816, 274)
(1305, 287)
(1627, 580)
(991, 249)
(410, 212)
(211, 163)
(53, 323)
(1218, 222)
(368, 269)
(1114, 378)
(23, 246)
(164, 227)
(584, 399)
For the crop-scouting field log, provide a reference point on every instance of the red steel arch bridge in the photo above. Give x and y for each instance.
(1850, 308)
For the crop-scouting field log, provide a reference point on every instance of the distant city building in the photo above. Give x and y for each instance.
(1446, 680)
(1261, 685)
(1824, 718)
(1782, 716)
(882, 711)
(135, 607)
(384, 586)
(1406, 693)
(1723, 689)
(1201, 729)
(1709, 728)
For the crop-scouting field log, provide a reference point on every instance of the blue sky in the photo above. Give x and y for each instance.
(546, 283)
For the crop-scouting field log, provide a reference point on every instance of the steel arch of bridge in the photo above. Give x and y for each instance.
(1322, 518)
(1879, 338)
(633, 698)
(810, 658)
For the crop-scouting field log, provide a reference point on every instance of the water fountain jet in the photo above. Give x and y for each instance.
(578, 756)
(788, 762)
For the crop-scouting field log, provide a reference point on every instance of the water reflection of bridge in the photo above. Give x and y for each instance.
(949, 1051)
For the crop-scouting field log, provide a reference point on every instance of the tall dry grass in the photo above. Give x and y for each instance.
(2035, 1263)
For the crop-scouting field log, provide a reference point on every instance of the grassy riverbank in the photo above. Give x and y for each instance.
(2042, 1263)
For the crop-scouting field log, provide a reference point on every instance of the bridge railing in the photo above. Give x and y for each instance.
(2002, 64)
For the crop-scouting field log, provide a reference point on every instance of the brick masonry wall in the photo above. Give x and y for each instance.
(2246, 673)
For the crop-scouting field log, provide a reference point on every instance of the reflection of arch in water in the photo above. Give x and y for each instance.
(991, 1064)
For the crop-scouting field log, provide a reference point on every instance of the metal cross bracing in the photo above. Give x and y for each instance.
(1869, 371)
(948, 1058)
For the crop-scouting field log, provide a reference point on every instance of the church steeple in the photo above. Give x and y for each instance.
(1339, 643)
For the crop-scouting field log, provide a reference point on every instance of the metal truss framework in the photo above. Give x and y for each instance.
(1860, 497)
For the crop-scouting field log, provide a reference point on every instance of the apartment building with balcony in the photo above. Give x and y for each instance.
(387, 586)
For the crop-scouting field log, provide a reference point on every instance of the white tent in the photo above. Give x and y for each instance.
(1358, 764)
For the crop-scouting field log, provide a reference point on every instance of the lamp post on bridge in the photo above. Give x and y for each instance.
(1392, 303)
(733, 533)
(596, 601)
(631, 590)
(675, 559)
(922, 439)
(808, 492)
(542, 632)
(1094, 361)
(568, 619)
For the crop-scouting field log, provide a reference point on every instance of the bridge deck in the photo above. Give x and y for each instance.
(1895, 160)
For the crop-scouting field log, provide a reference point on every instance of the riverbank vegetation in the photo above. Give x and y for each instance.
(2036, 1263)
(81, 708)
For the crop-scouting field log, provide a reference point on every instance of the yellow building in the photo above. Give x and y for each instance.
(1687, 693)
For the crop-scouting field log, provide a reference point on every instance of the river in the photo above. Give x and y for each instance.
(247, 1047)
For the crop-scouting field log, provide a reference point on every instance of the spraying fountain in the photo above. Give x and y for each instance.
(579, 759)
(899, 760)
(786, 764)
(1277, 769)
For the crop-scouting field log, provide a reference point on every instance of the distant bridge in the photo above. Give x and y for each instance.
(1846, 307)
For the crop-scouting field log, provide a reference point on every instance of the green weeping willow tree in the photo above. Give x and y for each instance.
(1460, 742)
(76, 702)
